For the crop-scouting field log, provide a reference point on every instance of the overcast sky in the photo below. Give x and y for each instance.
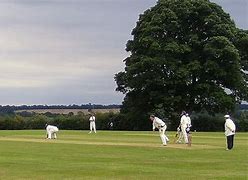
(67, 51)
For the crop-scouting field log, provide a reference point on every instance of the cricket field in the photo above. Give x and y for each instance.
(26, 154)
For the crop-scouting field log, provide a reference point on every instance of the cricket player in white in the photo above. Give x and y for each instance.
(158, 123)
(179, 135)
(184, 125)
(189, 120)
(230, 129)
(92, 123)
(51, 131)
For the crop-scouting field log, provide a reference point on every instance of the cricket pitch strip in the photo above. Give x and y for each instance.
(103, 143)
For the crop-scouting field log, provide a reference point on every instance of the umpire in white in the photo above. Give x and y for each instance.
(161, 126)
(230, 129)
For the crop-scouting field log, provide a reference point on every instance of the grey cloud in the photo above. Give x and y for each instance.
(67, 51)
(238, 10)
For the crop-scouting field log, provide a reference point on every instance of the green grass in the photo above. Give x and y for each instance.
(120, 155)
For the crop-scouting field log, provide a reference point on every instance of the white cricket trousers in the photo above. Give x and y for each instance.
(180, 137)
(92, 126)
(52, 134)
(185, 136)
(163, 137)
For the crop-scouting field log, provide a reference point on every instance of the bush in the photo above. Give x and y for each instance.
(68, 122)
(200, 121)
(242, 121)
(206, 122)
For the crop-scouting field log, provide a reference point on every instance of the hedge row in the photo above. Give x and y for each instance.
(38, 121)
(200, 121)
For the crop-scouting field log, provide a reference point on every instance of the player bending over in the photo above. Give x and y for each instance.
(51, 131)
(160, 125)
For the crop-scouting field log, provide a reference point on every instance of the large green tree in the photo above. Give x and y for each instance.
(184, 55)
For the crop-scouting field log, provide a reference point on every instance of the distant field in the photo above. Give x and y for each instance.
(67, 111)
(119, 155)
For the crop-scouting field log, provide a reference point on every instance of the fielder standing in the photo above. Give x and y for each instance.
(158, 123)
(230, 129)
(92, 123)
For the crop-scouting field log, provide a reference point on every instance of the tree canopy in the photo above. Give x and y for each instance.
(184, 55)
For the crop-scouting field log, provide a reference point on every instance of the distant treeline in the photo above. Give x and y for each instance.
(201, 121)
(11, 109)
(26, 120)
(29, 120)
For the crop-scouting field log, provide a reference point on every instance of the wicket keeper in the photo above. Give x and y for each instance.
(51, 131)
